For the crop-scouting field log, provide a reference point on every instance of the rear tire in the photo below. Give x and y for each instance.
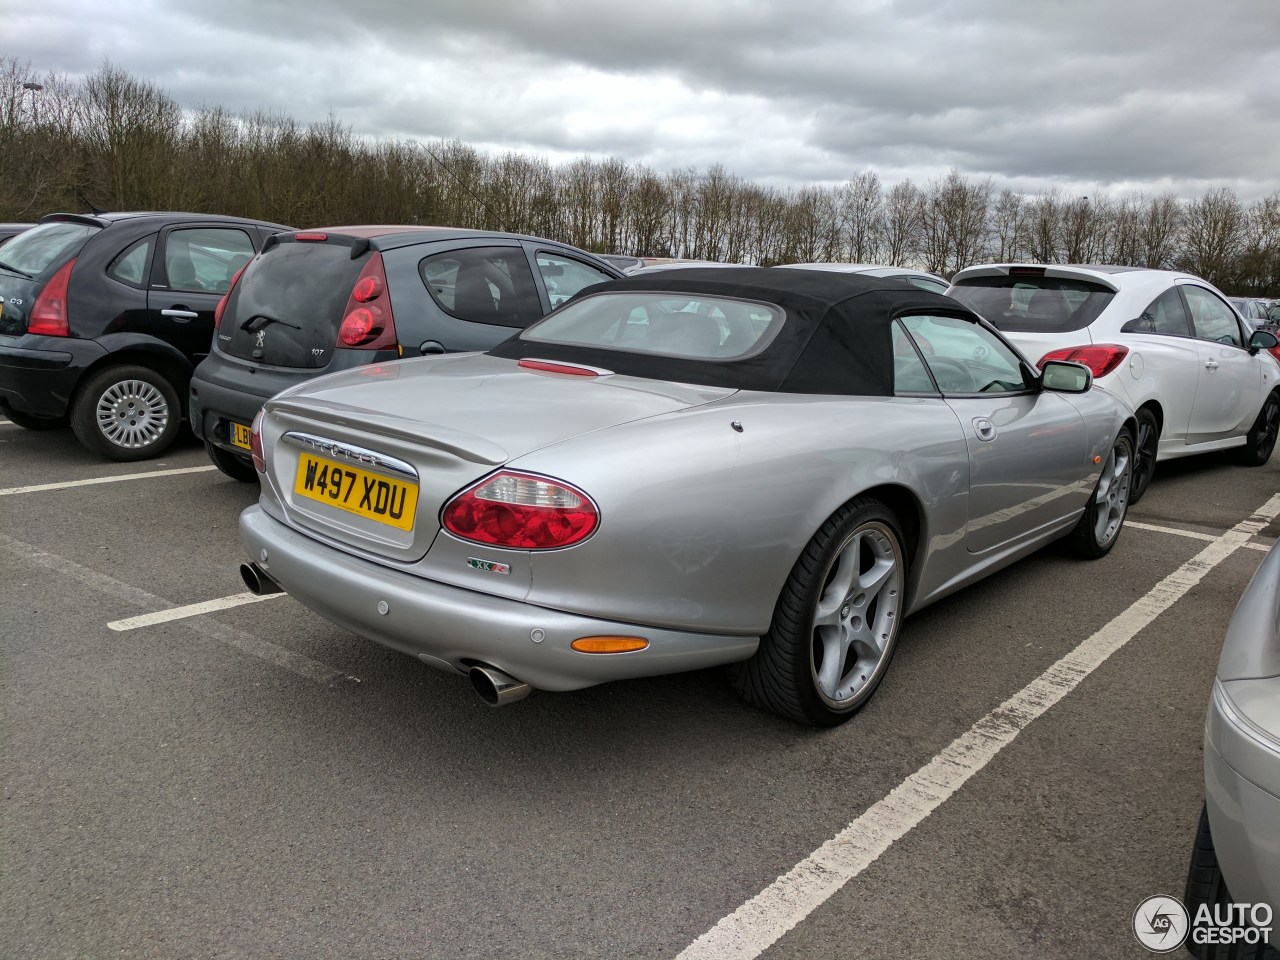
(1262, 435)
(1205, 884)
(1100, 524)
(29, 421)
(235, 467)
(127, 413)
(836, 622)
(1146, 448)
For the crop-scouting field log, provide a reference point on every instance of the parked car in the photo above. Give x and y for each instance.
(1236, 856)
(1251, 308)
(680, 470)
(104, 318)
(1168, 343)
(10, 230)
(918, 278)
(622, 261)
(319, 301)
(658, 264)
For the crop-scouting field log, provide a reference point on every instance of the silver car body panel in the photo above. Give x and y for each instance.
(1242, 743)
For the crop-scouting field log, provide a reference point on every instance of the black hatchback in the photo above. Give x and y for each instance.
(103, 318)
(324, 300)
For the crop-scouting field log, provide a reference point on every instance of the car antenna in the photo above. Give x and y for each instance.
(88, 203)
(445, 167)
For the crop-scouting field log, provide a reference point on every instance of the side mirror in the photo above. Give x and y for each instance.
(1061, 376)
(1262, 340)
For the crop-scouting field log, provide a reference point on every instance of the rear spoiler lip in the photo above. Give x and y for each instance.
(1051, 272)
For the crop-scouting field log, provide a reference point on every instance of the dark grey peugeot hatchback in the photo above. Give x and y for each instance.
(323, 300)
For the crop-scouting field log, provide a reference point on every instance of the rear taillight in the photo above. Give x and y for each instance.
(222, 304)
(1101, 358)
(367, 323)
(255, 442)
(521, 511)
(49, 312)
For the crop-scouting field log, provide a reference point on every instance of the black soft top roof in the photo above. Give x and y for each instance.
(837, 336)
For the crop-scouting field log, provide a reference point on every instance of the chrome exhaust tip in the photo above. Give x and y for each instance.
(496, 688)
(258, 580)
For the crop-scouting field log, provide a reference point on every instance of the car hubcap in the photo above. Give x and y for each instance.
(1112, 496)
(132, 413)
(857, 615)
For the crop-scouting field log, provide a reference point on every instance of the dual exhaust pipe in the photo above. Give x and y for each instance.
(492, 685)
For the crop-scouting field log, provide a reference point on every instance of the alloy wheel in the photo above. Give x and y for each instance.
(132, 414)
(1111, 498)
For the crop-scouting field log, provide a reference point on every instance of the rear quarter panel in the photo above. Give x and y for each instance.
(701, 524)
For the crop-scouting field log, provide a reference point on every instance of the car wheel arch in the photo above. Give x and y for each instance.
(157, 355)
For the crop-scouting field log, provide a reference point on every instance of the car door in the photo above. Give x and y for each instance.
(562, 276)
(1229, 382)
(192, 269)
(1026, 447)
(1164, 361)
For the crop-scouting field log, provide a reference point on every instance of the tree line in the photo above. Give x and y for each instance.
(117, 142)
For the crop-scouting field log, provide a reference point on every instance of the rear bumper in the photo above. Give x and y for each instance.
(225, 392)
(38, 375)
(450, 628)
(1243, 816)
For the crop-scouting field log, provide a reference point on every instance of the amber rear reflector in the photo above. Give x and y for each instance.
(609, 644)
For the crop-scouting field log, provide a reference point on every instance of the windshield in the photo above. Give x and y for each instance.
(1033, 304)
(664, 324)
(45, 248)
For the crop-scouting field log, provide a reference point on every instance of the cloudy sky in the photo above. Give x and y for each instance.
(1091, 96)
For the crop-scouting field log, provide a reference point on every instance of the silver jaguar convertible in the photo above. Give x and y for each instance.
(765, 468)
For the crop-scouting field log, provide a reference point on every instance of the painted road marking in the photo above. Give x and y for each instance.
(765, 918)
(244, 642)
(1193, 534)
(190, 610)
(67, 484)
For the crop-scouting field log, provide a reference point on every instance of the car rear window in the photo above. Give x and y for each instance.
(288, 305)
(43, 249)
(1033, 304)
(664, 324)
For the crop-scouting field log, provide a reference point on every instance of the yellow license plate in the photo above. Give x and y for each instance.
(240, 436)
(357, 491)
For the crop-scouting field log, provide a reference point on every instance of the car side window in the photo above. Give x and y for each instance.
(205, 259)
(564, 276)
(130, 267)
(483, 285)
(925, 283)
(1211, 318)
(910, 375)
(965, 357)
(1166, 315)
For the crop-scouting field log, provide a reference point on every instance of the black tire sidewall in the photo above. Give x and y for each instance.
(1136, 492)
(817, 708)
(84, 419)
(233, 466)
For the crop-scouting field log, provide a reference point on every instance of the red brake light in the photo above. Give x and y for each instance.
(547, 366)
(521, 511)
(311, 237)
(1026, 271)
(366, 324)
(222, 304)
(255, 442)
(49, 313)
(1100, 358)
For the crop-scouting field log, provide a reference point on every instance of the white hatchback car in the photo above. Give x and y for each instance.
(1197, 376)
(925, 281)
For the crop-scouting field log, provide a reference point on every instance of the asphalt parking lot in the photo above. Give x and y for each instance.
(252, 781)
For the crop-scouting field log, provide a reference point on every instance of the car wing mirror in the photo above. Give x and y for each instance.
(1262, 340)
(1062, 376)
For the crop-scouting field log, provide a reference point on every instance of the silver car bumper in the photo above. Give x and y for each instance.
(1242, 772)
(451, 628)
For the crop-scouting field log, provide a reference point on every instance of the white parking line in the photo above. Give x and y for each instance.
(246, 643)
(190, 610)
(766, 917)
(1193, 534)
(67, 484)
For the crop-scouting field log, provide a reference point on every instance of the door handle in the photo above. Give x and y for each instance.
(1211, 364)
(984, 428)
(180, 315)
